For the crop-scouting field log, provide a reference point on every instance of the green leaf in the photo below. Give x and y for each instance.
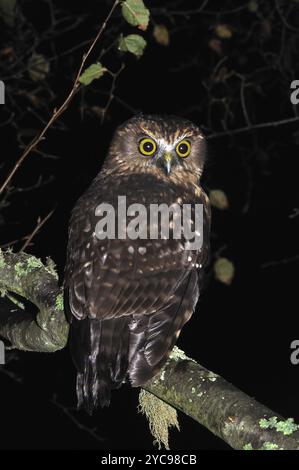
(132, 43)
(135, 13)
(93, 72)
(38, 67)
(224, 270)
(7, 11)
(253, 6)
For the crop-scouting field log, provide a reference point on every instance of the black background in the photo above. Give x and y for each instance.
(242, 331)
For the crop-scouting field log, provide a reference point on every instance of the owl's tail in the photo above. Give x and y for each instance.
(100, 352)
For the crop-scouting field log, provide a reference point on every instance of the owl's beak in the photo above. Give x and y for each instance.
(167, 160)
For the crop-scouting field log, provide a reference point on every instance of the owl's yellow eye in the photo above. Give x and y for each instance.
(147, 147)
(183, 148)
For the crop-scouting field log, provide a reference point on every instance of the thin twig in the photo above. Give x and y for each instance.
(82, 427)
(63, 107)
(262, 125)
(112, 90)
(37, 228)
(279, 262)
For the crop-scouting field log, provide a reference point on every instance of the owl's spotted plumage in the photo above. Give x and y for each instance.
(129, 299)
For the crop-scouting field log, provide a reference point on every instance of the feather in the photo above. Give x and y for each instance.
(100, 350)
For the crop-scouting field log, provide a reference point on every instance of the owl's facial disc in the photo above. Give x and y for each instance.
(165, 153)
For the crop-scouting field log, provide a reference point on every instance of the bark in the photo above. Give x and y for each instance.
(28, 277)
(227, 412)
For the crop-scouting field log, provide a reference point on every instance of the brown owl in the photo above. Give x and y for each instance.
(128, 299)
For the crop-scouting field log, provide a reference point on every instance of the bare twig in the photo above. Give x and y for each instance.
(68, 412)
(279, 262)
(39, 225)
(63, 107)
(112, 90)
(262, 125)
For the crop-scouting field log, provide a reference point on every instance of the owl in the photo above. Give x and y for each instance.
(128, 299)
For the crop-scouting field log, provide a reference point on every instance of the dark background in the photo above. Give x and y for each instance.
(242, 331)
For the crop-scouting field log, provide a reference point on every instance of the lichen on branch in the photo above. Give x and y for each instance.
(28, 277)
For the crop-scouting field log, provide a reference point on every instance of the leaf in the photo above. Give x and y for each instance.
(223, 31)
(161, 34)
(224, 270)
(93, 72)
(7, 11)
(219, 199)
(38, 67)
(132, 43)
(253, 6)
(135, 13)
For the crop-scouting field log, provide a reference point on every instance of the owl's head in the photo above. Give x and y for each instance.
(168, 146)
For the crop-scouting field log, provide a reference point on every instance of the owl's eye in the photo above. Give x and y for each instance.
(183, 148)
(147, 147)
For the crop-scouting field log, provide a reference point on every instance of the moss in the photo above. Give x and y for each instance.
(2, 260)
(160, 415)
(286, 427)
(3, 291)
(33, 263)
(178, 355)
(51, 268)
(20, 269)
(268, 423)
(247, 446)
(269, 446)
(212, 376)
(59, 304)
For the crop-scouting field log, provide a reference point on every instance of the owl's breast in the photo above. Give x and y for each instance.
(128, 244)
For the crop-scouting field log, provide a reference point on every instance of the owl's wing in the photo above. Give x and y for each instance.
(153, 336)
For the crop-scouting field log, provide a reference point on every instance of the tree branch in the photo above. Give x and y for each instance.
(229, 413)
(28, 277)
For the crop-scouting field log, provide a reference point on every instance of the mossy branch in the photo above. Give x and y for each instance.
(232, 415)
(28, 277)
